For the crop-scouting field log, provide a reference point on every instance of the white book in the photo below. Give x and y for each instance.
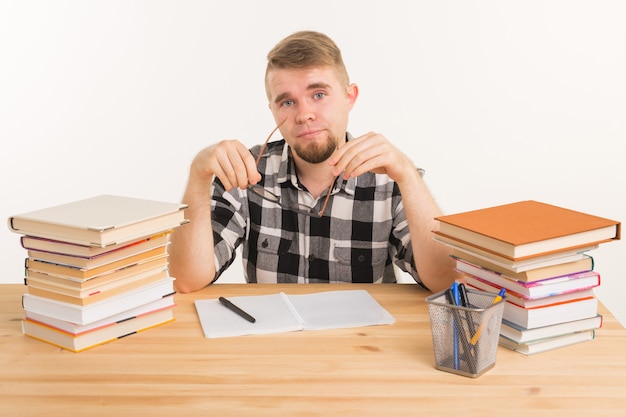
(550, 343)
(101, 309)
(547, 315)
(77, 329)
(530, 303)
(101, 221)
(80, 342)
(277, 313)
(572, 255)
(520, 334)
(534, 289)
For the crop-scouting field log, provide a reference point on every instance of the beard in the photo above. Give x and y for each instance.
(314, 153)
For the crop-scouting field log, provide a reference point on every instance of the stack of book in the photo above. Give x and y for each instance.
(539, 254)
(96, 269)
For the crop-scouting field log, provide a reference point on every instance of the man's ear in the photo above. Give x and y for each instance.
(352, 94)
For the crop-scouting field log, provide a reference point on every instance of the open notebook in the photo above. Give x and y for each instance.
(277, 313)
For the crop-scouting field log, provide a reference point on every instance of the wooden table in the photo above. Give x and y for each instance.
(389, 370)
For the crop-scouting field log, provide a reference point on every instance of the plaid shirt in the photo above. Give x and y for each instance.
(361, 234)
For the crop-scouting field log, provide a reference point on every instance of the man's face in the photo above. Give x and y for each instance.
(314, 105)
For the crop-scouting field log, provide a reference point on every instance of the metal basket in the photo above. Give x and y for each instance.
(465, 339)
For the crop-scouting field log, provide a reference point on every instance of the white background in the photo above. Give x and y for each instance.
(499, 100)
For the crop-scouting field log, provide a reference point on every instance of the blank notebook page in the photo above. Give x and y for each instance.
(273, 314)
(340, 309)
(278, 313)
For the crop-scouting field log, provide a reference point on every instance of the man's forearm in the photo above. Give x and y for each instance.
(432, 259)
(191, 252)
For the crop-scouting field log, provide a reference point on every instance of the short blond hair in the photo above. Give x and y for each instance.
(307, 49)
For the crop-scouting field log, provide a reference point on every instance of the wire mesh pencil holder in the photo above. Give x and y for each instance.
(465, 339)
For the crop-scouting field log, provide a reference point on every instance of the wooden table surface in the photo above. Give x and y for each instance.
(388, 370)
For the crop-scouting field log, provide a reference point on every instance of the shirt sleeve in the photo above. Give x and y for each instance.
(229, 224)
(400, 239)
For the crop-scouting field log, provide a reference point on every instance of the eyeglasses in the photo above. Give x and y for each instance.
(269, 196)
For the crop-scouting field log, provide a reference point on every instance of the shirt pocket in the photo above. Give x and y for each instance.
(273, 245)
(270, 255)
(361, 262)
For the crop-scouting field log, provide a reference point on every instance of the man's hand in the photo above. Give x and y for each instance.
(230, 161)
(371, 152)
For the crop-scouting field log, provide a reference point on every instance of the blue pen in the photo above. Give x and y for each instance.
(456, 293)
(457, 300)
(454, 296)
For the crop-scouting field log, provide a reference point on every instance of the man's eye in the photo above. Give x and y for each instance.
(287, 103)
(319, 95)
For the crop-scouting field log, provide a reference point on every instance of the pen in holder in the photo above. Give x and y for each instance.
(465, 336)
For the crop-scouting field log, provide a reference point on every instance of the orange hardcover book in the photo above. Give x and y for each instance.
(527, 229)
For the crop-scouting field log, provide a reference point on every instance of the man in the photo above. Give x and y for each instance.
(317, 206)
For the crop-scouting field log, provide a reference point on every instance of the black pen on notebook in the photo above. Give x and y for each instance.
(229, 305)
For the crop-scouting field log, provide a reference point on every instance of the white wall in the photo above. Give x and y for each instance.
(499, 101)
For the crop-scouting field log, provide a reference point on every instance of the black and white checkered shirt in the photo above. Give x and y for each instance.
(361, 234)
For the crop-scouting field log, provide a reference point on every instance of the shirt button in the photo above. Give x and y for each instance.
(265, 243)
